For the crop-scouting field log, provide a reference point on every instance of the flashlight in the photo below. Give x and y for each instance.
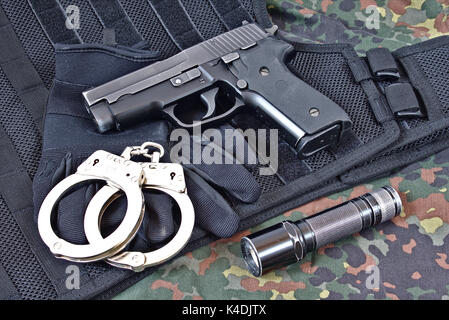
(288, 242)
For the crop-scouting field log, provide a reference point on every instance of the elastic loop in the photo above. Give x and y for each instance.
(382, 64)
(403, 100)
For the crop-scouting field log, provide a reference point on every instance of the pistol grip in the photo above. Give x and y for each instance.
(266, 73)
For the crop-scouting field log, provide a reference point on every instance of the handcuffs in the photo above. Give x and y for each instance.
(122, 175)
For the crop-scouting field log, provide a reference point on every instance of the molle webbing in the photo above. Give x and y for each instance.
(53, 20)
(230, 12)
(18, 196)
(22, 104)
(176, 22)
(21, 73)
(112, 16)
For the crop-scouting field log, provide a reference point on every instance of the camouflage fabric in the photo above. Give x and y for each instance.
(406, 258)
(363, 23)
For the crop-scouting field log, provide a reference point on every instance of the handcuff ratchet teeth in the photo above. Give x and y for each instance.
(121, 174)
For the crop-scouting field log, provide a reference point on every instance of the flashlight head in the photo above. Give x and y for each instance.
(279, 245)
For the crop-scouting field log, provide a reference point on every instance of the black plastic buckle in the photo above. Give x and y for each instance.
(403, 100)
(382, 64)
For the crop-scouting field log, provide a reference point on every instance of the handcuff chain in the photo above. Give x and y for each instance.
(143, 150)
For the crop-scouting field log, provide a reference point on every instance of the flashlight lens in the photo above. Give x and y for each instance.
(251, 257)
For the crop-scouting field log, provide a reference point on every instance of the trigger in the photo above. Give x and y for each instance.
(208, 98)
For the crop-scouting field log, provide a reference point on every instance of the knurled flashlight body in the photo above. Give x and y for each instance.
(288, 242)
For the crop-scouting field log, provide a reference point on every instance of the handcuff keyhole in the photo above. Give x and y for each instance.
(95, 162)
(172, 175)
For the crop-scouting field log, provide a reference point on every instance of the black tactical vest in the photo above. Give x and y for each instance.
(395, 121)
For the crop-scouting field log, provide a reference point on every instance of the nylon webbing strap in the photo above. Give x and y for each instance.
(16, 192)
(20, 72)
(53, 20)
(178, 24)
(8, 290)
(231, 12)
(113, 16)
(15, 184)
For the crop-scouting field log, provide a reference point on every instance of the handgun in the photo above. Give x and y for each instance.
(210, 82)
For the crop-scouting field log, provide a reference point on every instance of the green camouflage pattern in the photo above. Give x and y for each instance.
(406, 258)
(363, 23)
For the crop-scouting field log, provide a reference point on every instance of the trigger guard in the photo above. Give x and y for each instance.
(138, 261)
(170, 112)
